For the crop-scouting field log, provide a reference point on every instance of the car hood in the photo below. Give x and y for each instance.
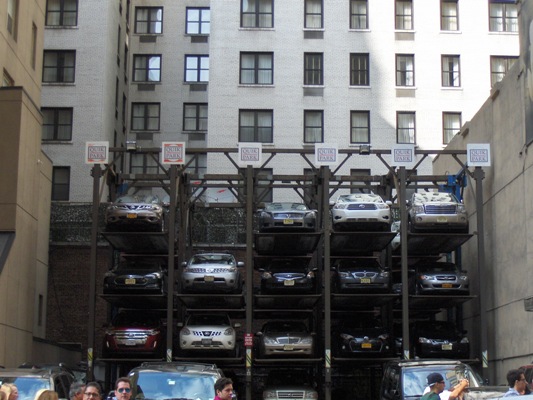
(359, 333)
(134, 272)
(444, 335)
(274, 335)
(288, 386)
(208, 327)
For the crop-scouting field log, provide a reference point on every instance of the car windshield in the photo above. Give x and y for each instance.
(437, 267)
(415, 378)
(284, 326)
(360, 198)
(288, 265)
(285, 207)
(127, 199)
(27, 386)
(139, 264)
(436, 328)
(158, 385)
(213, 259)
(211, 319)
(362, 323)
(350, 265)
(428, 197)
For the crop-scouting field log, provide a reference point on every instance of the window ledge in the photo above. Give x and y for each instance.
(196, 34)
(146, 83)
(404, 31)
(314, 86)
(135, 132)
(147, 34)
(405, 87)
(314, 30)
(310, 145)
(58, 83)
(503, 33)
(359, 30)
(193, 132)
(453, 88)
(256, 29)
(56, 142)
(256, 85)
(445, 32)
(360, 87)
(195, 82)
(61, 27)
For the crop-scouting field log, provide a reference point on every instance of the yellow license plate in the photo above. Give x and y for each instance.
(288, 347)
(365, 280)
(131, 215)
(366, 345)
(288, 221)
(129, 281)
(447, 347)
(288, 282)
(209, 278)
(447, 286)
(442, 219)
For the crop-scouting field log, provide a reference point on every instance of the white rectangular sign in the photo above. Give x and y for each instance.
(326, 154)
(250, 154)
(173, 153)
(478, 154)
(403, 155)
(96, 152)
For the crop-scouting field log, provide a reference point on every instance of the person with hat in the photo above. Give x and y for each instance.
(436, 386)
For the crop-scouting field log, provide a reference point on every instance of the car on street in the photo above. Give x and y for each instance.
(287, 275)
(361, 212)
(30, 380)
(134, 333)
(362, 336)
(438, 277)
(208, 333)
(436, 212)
(285, 216)
(290, 384)
(439, 339)
(282, 338)
(137, 275)
(212, 273)
(140, 213)
(360, 275)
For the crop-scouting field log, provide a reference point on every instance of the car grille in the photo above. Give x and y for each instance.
(288, 215)
(124, 335)
(138, 281)
(446, 277)
(288, 340)
(134, 207)
(364, 274)
(435, 209)
(362, 206)
(205, 270)
(206, 333)
(285, 394)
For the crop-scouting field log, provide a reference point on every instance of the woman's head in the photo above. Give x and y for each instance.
(46, 394)
(10, 390)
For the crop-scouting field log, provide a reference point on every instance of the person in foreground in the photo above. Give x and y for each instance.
(436, 386)
(223, 389)
(517, 383)
(123, 389)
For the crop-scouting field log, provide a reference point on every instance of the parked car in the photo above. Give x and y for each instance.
(362, 335)
(30, 380)
(396, 241)
(439, 339)
(145, 213)
(208, 333)
(287, 275)
(286, 217)
(406, 380)
(137, 274)
(437, 212)
(360, 275)
(290, 384)
(174, 380)
(212, 273)
(439, 277)
(285, 338)
(361, 212)
(135, 333)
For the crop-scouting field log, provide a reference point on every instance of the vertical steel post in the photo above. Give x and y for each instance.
(97, 173)
(249, 273)
(170, 271)
(326, 224)
(405, 265)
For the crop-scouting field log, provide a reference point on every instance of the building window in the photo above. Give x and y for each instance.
(33, 55)
(62, 13)
(196, 68)
(59, 66)
(149, 20)
(146, 68)
(57, 124)
(12, 17)
(256, 126)
(451, 74)
(405, 70)
(257, 14)
(449, 18)
(404, 15)
(264, 192)
(360, 127)
(313, 126)
(195, 117)
(313, 69)
(60, 183)
(145, 116)
(7, 80)
(358, 14)
(360, 186)
(198, 21)
(405, 127)
(257, 68)
(143, 164)
(499, 66)
(359, 70)
(503, 16)
(451, 125)
(313, 14)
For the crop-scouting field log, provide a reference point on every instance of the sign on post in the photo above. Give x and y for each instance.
(173, 153)
(403, 155)
(478, 154)
(250, 154)
(326, 154)
(96, 152)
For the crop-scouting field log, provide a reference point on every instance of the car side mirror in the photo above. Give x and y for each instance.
(259, 333)
(331, 203)
(261, 270)
(240, 264)
(179, 324)
(237, 325)
(184, 263)
(388, 202)
(408, 203)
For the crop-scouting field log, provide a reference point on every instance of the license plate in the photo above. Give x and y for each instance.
(366, 345)
(130, 342)
(288, 347)
(442, 219)
(447, 347)
(209, 278)
(365, 280)
(129, 281)
(206, 342)
(288, 221)
(131, 215)
(447, 286)
(288, 282)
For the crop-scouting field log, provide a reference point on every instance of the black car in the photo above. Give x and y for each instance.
(362, 335)
(137, 274)
(360, 275)
(286, 217)
(287, 275)
(439, 339)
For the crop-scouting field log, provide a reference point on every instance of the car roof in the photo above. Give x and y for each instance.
(178, 367)
(360, 197)
(433, 196)
(425, 362)
(39, 372)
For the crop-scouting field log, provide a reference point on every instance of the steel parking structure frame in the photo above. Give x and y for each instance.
(245, 184)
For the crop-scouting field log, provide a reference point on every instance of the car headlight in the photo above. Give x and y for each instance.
(307, 340)
(155, 275)
(157, 208)
(424, 340)
(426, 277)
(311, 394)
(266, 275)
(310, 274)
(110, 332)
(344, 274)
(383, 337)
(418, 209)
(345, 336)
(269, 340)
(464, 340)
(382, 206)
(229, 331)
(384, 274)
(461, 209)
(340, 206)
(269, 394)
(185, 331)
(463, 277)
(153, 332)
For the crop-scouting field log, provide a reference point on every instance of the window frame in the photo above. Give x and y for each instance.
(56, 124)
(256, 68)
(197, 118)
(400, 128)
(60, 68)
(198, 70)
(258, 14)
(359, 76)
(146, 118)
(146, 69)
(12, 18)
(200, 23)
(257, 135)
(149, 22)
(314, 75)
(309, 137)
(62, 196)
(310, 18)
(62, 12)
(449, 133)
(403, 75)
(505, 20)
(450, 78)
(507, 63)
(355, 129)
(357, 16)
(403, 21)
(448, 20)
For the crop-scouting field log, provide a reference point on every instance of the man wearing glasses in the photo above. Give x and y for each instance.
(123, 389)
(92, 391)
(517, 383)
(436, 386)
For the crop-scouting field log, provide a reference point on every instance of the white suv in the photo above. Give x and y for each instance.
(361, 212)
(212, 273)
(437, 212)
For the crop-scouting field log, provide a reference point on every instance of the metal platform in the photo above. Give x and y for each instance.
(433, 243)
(287, 360)
(141, 301)
(286, 244)
(358, 301)
(356, 243)
(138, 242)
(288, 302)
(214, 301)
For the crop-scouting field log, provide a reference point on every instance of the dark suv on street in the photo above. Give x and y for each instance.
(30, 380)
